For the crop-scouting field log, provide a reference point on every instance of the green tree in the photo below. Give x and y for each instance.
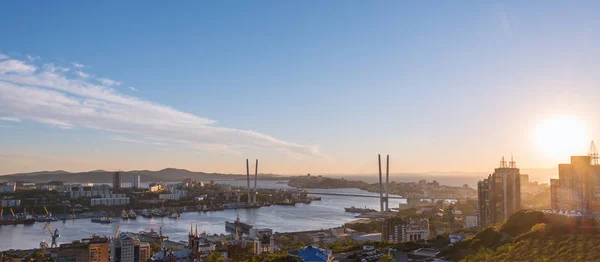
(215, 257)
(386, 258)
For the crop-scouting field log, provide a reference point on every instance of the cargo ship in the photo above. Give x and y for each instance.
(238, 226)
(359, 210)
(17, 221)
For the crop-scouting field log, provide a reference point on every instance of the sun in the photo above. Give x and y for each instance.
(560, 137)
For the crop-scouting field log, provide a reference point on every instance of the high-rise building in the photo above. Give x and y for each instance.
(135, 184)
(577, 187)
(128, 248)
(117, 180)
(554, 189)
(499, 196)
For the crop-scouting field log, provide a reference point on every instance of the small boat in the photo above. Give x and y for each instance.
(124, 214)
(131, 214)
(174, 215)
(102, 220)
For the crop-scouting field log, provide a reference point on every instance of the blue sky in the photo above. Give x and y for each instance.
(306, 86)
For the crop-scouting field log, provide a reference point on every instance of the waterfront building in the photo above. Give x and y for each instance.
(117, 180)
(8, 188)
(499, 196)
(135, 183)
(312, 254)
(128, 248)
(94, 249)
(577, 187)
(399, 230)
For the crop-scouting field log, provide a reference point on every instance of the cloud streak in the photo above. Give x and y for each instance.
(108, 82)
(10, 119)
(57, 98)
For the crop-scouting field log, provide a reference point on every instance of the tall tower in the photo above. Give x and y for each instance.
(248, 177)
(593, 153)
(380, 185)
(255, 178)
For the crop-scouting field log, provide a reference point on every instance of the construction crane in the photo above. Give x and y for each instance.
(47, 213)
(12, 212)
(54, 235)
(118, 230)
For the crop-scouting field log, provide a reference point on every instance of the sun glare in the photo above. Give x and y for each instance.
(561, 137)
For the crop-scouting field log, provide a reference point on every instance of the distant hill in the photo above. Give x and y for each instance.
(102, 176)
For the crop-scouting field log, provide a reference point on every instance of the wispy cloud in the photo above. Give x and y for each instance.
(32, 58)
(3, 56)
(10, 119)
(54, 68)
(77, 65)
(82, 74)
(50, 96)
(133, 88)
(108, 82)
(15, 66)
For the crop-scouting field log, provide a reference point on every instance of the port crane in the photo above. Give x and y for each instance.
(54, 235)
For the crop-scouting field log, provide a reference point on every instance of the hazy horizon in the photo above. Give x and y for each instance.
(319, 87)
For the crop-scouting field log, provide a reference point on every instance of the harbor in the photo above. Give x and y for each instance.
(327, 213)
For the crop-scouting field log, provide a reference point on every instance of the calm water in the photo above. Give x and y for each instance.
(327, 213)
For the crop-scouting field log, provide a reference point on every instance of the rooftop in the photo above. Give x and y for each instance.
(311, 254)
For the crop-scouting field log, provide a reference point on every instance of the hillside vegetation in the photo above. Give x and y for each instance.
(532, 236)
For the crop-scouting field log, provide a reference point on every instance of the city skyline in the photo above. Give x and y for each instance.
(306, 90)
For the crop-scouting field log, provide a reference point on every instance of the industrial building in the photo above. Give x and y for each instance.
(499, 196)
